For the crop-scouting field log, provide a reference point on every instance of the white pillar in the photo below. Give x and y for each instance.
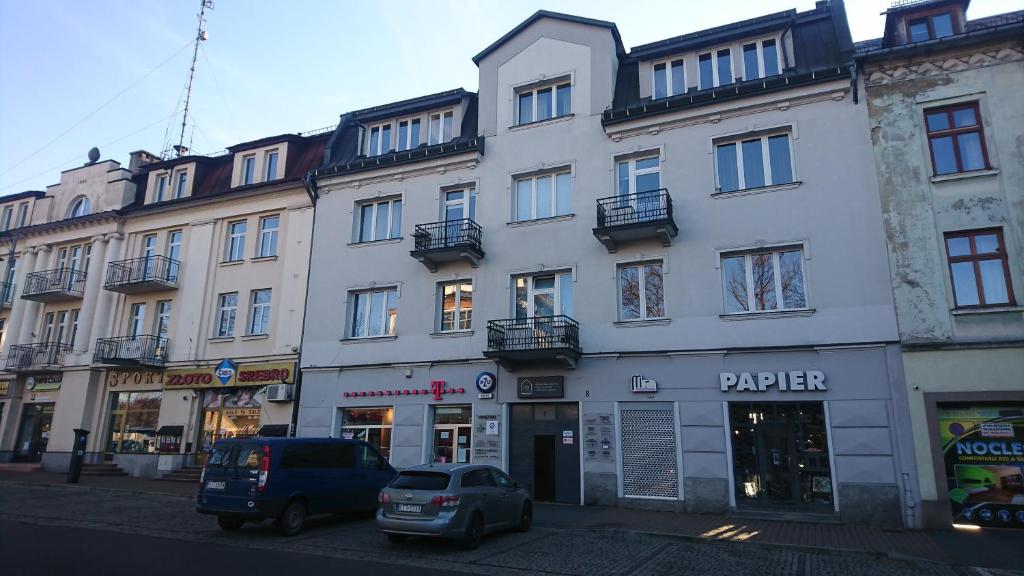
(188, 334)
(93, 287)
(19, 306)
(32, 309)
(105, 299)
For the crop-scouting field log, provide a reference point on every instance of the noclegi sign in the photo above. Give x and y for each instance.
(791, 381)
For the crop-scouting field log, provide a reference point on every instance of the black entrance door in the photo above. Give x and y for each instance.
(780, 455)
(544, 451)
(34, 432)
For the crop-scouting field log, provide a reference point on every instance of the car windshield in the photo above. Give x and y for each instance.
(421, 480)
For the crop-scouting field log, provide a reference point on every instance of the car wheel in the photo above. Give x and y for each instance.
(292, 519)
(474, 532)
(229, 524)
(525, 517)
(397, 538)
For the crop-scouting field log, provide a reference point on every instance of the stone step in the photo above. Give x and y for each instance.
(104, 469)
(21, 467)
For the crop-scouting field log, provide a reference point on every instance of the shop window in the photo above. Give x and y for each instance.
(453, 433)
(230, 413)
(372, 425)
(133, 422)
(764, 281)
(979, 269)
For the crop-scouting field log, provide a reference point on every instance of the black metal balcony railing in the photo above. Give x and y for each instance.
(448, 234)
(147, 269)
(533, 333)
(6, 294)
(36, 356)
(58, 282)
(144, 350)
(637, 208)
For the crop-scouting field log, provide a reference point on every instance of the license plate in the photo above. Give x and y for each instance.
(416, 508)
(215, 485)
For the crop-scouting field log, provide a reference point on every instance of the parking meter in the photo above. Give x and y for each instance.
(77, 454)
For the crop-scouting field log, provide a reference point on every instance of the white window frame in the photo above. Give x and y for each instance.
(353, 298)
(408, 144)
(259, 311)
(172, 244)
(75, 314)
(84, 203)
(268, 235)
(48, 325)
(533, 195)
(377, 138)
(224, 309)
(748, 271)
(137, 320)
(232, 236)
(377, 203)
(439, 115)
(267, 176)
(668, 77)
(22, 214)
(639, 265)
(458, 306)
(248, 176)
(8, 217)
(162, 181)
(554, 101)
(760, 56)
(162, 321)
(148, 245)
(716, 81)
(180, 183)
(561, 276)
(766, 160)
(467, 202)
(634, 172)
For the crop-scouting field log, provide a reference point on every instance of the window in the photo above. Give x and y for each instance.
(930, 27)
(161, 188)
(408, 134)
(374, 313)
(62, 326)
(331, 455)
(979, 269)
(174, 253)
(248, 169)
(538, 104)
(80, 207)
(270, 165)
(760, 59)
(956, 139)
(753, 163)
(543, 295)
(669, 79)
(543, 196)
(133, 422)
(715, 69)
(138, 320)
(372, 425)
(379, 140)
(148, 252)
(227, 307)
(75, 314)
(163, 318)
(259, 313)
(453, 434)
(456, 306)
(641, 291)
(7, 295)
(179, 186)
(440, 127)
(22, 214)
(637, 176)
(380, 220)
(460, 204)
(268, 236)
(764, 281)
(8, 215)
(236, 241)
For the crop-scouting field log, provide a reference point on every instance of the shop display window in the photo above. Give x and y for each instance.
(372, 425)
(133, 422)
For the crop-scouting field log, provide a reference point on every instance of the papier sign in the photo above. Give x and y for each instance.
(791, 381)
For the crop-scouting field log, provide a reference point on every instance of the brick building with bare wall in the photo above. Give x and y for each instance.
(944, 97)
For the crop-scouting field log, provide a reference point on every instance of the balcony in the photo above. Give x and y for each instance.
(639, 216)
(143, 350)
(37, 357)
(146, 274)
(448, 241)
(539, 339)
(6, 295)
(57, 285)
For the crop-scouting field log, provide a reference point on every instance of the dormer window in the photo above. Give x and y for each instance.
(715, 68)
(668, 79)
(270, 165)
(378, 140)
(439, 128)
(408, 134)
(248, 169)
(161, 187)
(930, 27)
(80, 207)
(179, 186)
(540, 103)
(760, 59)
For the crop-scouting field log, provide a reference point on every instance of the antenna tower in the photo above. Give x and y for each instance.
(181, 149)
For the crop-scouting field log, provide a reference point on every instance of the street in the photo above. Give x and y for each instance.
(82, 530)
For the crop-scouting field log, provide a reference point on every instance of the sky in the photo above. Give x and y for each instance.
(112, 73)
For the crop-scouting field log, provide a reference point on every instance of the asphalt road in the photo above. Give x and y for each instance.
(36, 550)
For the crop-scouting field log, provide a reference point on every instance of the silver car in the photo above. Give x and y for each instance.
(456, 501)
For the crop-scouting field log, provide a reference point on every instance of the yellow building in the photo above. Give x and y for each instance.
(158, 306)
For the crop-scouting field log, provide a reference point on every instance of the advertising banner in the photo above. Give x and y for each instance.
(983, 453)
(228, 374)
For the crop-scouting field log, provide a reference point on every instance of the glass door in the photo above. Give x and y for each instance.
(34, 432)
(458, 205)
(452, 434)
(148, 252)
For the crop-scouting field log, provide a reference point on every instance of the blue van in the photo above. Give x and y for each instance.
(289, 479)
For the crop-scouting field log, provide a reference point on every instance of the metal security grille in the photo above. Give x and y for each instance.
(649, 467)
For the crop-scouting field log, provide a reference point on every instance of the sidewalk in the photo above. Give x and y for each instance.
(997, 549)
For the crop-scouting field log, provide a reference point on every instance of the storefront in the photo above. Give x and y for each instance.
(39, 402)
(812, 432)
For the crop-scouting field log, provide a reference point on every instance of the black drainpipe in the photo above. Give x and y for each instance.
(310, 184)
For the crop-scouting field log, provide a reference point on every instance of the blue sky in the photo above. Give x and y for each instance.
(272, 67)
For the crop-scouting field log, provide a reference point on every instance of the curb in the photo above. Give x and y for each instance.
(85, 488)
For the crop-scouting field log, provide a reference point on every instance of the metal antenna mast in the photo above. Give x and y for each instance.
(180, 149)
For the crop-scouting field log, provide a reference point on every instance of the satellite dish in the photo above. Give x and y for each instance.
(94, 155)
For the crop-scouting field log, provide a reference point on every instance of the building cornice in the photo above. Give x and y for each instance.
(468, 161)
(916, 66)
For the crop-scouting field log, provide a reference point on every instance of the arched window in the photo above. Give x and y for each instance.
(80, 207)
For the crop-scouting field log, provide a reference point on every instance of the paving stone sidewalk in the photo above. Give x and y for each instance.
(566, 540)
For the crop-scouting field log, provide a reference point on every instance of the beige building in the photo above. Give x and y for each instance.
(159, 306)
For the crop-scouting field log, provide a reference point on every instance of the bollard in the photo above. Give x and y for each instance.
(77, 453)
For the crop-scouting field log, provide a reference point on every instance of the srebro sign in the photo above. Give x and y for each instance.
(791, 381)
(226, 374)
